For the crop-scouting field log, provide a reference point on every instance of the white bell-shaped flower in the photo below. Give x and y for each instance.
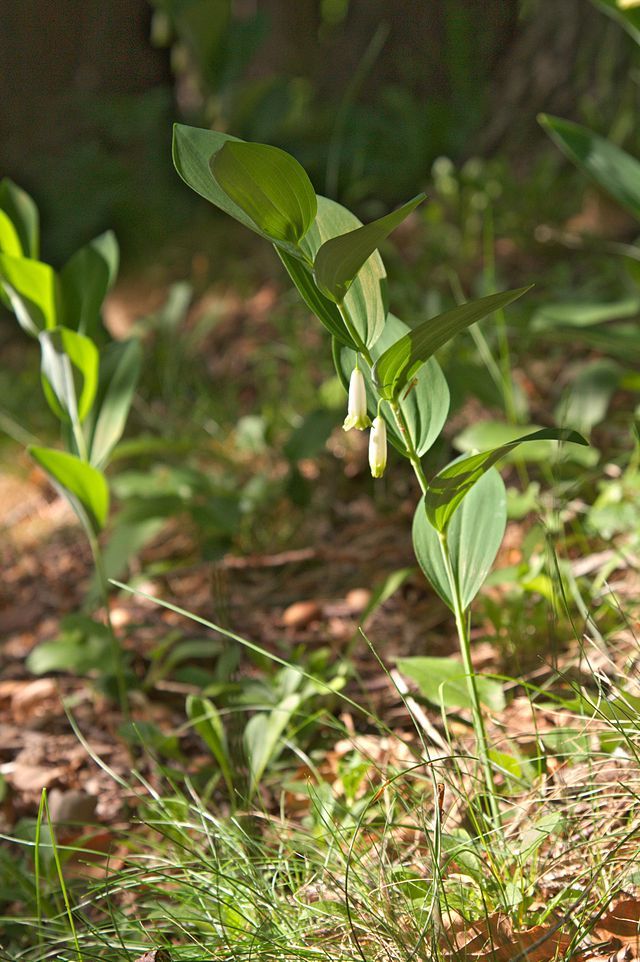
(378, 447)
(357, 416)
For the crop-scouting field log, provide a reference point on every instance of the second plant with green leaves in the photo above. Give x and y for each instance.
(396, 387)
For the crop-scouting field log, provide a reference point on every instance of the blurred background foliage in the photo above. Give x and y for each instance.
(367, 95)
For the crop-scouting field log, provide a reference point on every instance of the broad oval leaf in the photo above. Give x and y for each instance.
(23, 213)
(399, 363)
(269, 185)
(444, 682)
(612, 168)
(81, 484)
(473, 538)
(425, 406)
(32, 290)
(366, 299)
(451, 485)
(119, 371)
(63, 350)
(340, 259)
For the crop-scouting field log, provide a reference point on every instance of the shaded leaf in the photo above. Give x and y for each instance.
(269, 185)
(474, 536)
(83, 485)
(443, 681)
(85, 280)
(341, 258)
(448, 488)
(626, 14)
(586, 401)
(612, 169)
(402, 360)
(23, 213)
(62, 350)
(119, 371)
(324, 309)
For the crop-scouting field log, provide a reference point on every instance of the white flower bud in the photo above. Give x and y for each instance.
(357, 416)
(378, 447)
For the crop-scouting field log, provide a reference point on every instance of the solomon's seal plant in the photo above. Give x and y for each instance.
(88, 379)
(388, 365)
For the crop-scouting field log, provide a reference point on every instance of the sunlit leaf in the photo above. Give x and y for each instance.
(443, 682)
(9, 240)
(32, 290)
(80, 483)
(205, 718)
(269, 185)
(474, 536)
(451, 485)
(340, 259)
(400, 362)
(63, 350)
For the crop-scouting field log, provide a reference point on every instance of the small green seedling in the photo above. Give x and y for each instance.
(88, 379)
(395, 385)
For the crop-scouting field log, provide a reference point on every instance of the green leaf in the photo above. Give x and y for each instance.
(627, 16)
(443, 682)
(119, 372)
(62, 350)
(448, 488)
(366, 300)
(324, 309)
(193, 149)
(340, 259)
(263, 736)
(582, 314)
(9, 240)
(269, 185)
(32, 289)
(83, 646)
(205, 718)
(473, 537)
(614, 170)
(402, 360)
(83, 485)
(587, 398)
(425, 406)
(85, 280)
(23, 213)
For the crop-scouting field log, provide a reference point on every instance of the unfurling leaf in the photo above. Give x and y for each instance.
(63, 350)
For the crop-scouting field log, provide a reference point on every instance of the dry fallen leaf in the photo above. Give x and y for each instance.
(493, 939)
(301, 613)
(155, 955)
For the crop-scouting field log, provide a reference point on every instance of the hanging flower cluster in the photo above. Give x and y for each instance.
(357, 417)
